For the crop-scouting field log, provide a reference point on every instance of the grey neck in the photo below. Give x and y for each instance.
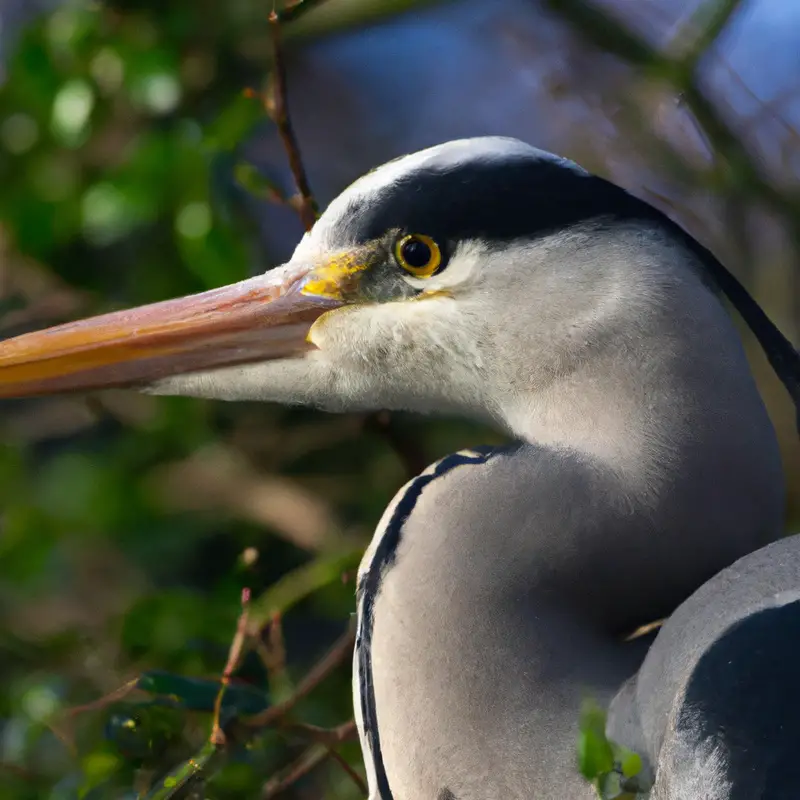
(641, 471)
(659, 449)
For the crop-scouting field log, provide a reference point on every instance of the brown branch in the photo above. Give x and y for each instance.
(354, 776)
(217, 736)
(276, 105)
(18, 772)
(103, 701)
(602, 30)
(406, 448)
(277, 108)
(299, 768)
(62, 728)
(331, 738)
(294, 9)
(321, 670)
(272, 652)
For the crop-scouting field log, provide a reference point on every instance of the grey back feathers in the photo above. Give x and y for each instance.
(717, 700)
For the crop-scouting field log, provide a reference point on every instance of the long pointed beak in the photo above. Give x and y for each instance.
(262, 318)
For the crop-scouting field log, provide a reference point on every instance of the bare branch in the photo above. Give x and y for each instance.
(294, 9)
(354, 776)
(311, 758)
(62, 728)
(276, 105)
(712, 19)
(217, 737)
(340, 651)
(273, 652)
(407, 450)
(606, 33)
(332, 738)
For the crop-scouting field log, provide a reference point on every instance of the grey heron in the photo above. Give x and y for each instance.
(491, 279)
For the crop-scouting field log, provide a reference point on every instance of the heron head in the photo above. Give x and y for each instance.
(443, 280)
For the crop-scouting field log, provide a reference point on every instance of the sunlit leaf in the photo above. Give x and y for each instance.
(172, 783)
(631, 764)
(595, 755)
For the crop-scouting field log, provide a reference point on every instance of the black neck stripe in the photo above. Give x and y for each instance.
(369, 586)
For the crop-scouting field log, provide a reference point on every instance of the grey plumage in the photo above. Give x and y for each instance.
(716, 704)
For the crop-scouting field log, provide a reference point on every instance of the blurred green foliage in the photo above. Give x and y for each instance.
(612, 769)
(130, 525)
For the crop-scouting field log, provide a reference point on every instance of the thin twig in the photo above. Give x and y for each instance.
(332, 738)
(405, 447)
(713, 18)
(603, 31)
(354, 776)
(62, 728)
(277, 648)
(297, 769)
(294, 9)
(643, 630)
(217, 737)
(278, 109)
(321, 670)
(272, 653)
(103, 701)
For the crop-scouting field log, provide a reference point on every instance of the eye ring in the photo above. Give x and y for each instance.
(418, 255)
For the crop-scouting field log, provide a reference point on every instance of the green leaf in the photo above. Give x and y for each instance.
(200, 694)
(98, 767)
(233, 123)
(595, 755)
(631, 764)
(258, 185)
(173, 782)
(298, 584)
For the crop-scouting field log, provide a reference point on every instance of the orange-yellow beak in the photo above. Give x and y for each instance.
(262, 318)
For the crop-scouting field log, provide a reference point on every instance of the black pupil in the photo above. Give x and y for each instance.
(417, 254)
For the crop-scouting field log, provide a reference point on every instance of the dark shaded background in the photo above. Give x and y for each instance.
(133, 168)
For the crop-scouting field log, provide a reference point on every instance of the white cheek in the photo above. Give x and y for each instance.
(431, 335)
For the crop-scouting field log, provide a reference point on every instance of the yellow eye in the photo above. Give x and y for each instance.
(418, 255)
